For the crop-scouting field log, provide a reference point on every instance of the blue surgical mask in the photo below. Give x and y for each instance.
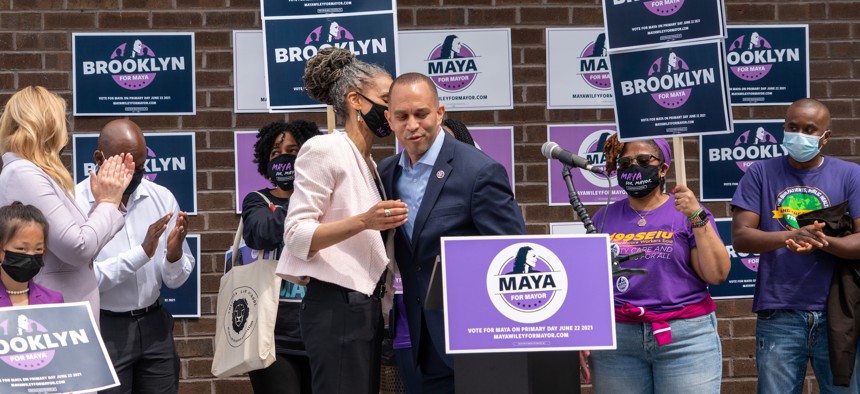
(801, 147)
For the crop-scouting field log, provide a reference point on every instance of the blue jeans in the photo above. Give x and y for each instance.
(785, 341)
(692, 363)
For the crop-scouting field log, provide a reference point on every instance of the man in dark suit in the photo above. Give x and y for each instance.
(451, 189)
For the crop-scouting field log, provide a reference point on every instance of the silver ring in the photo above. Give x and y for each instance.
(387, 212)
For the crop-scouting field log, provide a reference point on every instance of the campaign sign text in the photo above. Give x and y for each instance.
(184, 301)
(724, 158)
(170, 162)
(133, 74)
(742, 276)
(584, 140)
(282, 8)
(291, 42)
(52, 348)
(577, 68)
(768, 65)
(632, 24)
(527, 293)
(670, 92)
(471, 68)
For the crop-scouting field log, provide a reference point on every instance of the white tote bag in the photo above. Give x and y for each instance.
(247, 308)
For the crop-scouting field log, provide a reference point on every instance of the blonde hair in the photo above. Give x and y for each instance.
(33, 126)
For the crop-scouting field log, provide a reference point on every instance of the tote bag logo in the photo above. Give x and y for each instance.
(451, 65)
(242, 315)
(527, 282)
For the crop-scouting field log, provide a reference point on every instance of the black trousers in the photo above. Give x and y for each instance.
(289, 374)
(142, 351)
(342, 331)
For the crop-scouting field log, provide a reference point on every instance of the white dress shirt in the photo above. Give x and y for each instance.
(127, 278)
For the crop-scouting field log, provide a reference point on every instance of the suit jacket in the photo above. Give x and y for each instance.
(38, 295)
(74, 238)
(333, 182)
(471, 197)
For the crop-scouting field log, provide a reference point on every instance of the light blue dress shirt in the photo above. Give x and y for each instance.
(413, 180)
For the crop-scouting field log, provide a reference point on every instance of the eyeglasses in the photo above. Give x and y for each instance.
(642, 160)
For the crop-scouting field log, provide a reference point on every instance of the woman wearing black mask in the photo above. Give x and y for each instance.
(23, 229)
(333, 240)
(665, 322)
(263, 213)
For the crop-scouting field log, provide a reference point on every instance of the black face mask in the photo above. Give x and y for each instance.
(638, 180)
(135, 182)
(22, 267)
(375, 119)
(282, 171)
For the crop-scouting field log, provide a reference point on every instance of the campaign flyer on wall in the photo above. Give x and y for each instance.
(768, 64)
(674, 91)
(584, 140)
(742, 275)
(724, 158)
(577, 68)
(471, 68)
(527, 293)
(52, 348)
(291, 39)
(171, 161)
(636, 24)
(184, 301)
(130, 74)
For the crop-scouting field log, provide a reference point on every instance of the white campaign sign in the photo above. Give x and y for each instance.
(471, 68)
(577, 69)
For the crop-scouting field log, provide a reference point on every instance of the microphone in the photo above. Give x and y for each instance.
(551, 150)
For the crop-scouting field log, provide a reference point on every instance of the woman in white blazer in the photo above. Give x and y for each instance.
(333, 233)
(32, 135)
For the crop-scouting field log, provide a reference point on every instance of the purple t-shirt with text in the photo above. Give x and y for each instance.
(666, 238)
(778, 193)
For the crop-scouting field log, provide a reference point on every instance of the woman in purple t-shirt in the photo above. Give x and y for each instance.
(665, 322)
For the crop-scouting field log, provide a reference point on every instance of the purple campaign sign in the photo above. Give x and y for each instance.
(527, 293)
(247, 178)
(585, 140)
(496, 142)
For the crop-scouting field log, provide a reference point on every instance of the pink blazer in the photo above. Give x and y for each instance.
(73, 239)
(333, 182)
(38, 295)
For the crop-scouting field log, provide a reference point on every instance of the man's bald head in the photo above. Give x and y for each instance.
(812, 105)
(121, 136)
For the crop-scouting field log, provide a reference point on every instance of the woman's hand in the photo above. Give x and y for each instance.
(112, 179)
(583, 365)
(685, 200)
(385, 215)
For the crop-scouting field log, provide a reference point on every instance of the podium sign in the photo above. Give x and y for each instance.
(527, 293)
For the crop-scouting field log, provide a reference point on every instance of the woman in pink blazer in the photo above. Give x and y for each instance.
(333, 237)
(32, 135)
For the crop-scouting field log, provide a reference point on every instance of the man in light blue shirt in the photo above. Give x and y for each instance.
(451, 189)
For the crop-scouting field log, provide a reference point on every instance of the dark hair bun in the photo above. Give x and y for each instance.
(324, 70)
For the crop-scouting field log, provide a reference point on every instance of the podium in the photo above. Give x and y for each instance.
(531, 303)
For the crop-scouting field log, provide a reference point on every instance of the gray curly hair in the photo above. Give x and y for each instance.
(334, 72)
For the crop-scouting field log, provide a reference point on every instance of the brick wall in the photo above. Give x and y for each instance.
(35, 43)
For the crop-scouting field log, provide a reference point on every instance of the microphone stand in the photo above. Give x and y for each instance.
(580, 211)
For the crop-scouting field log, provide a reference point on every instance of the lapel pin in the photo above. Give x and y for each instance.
(440, 174)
